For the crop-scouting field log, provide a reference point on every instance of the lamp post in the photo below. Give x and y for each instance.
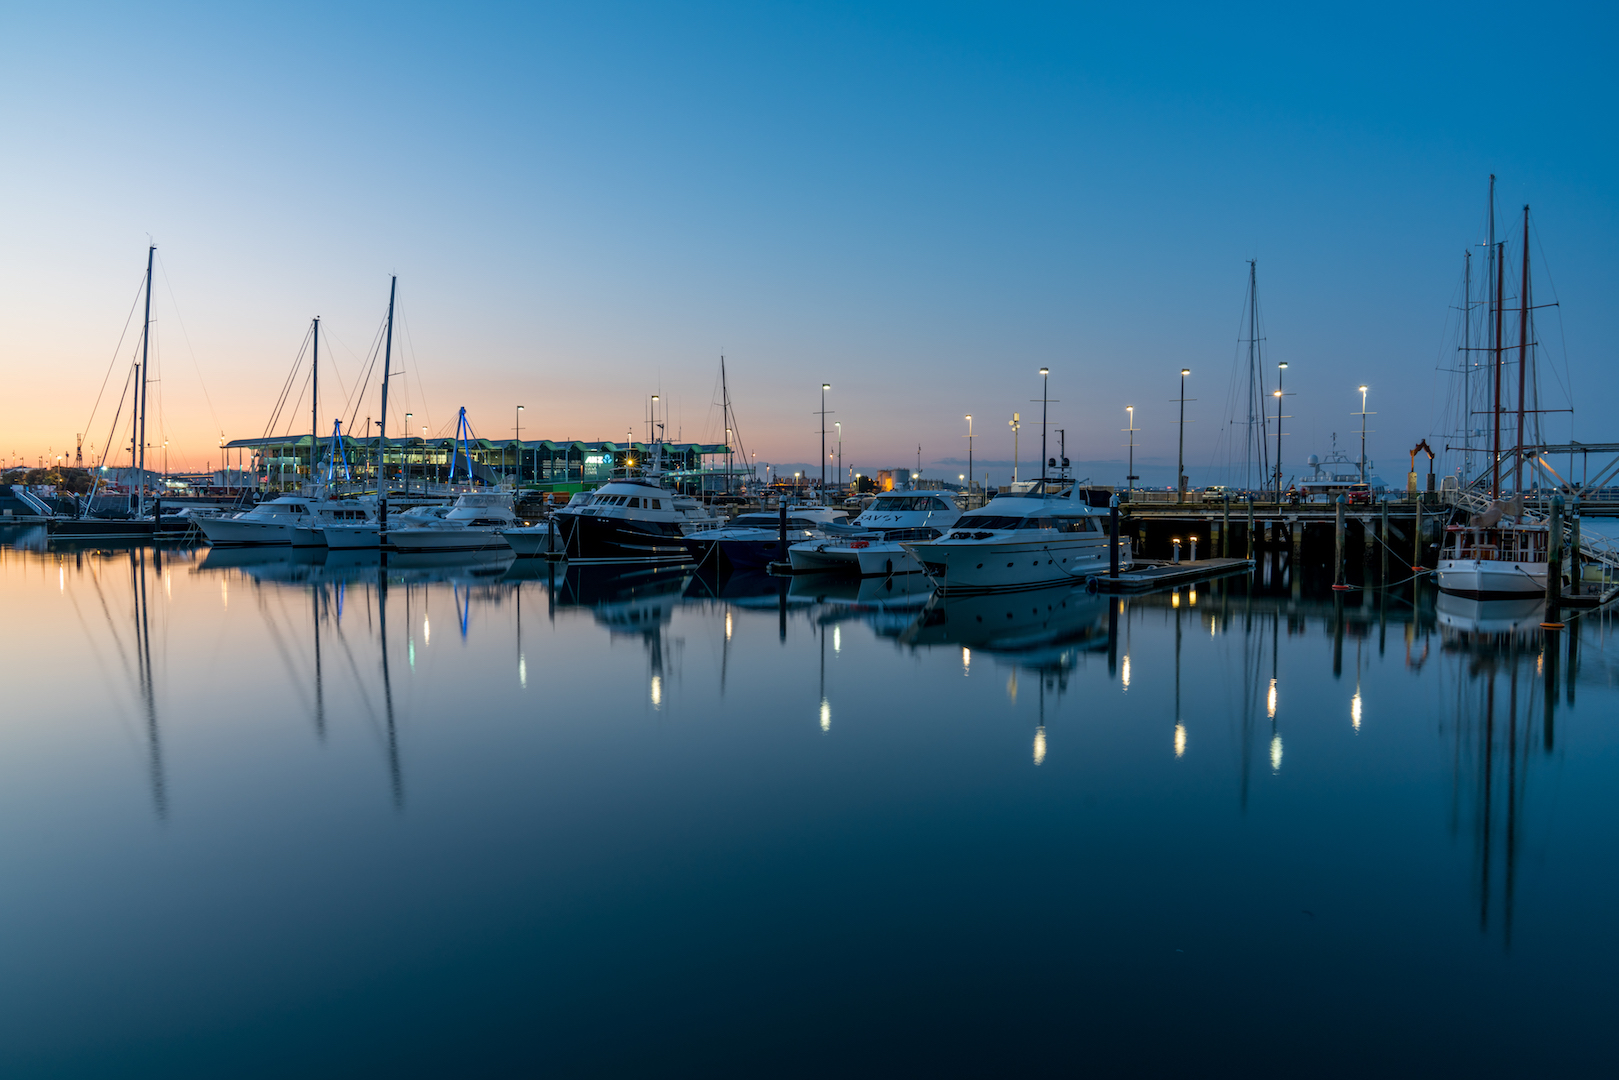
(969, 458)
(1014, 424)
(1363, 415)
(1281, 367)
(1045, 389)
(519, 444)
(408, 418)
(824, 388)
(1130, 477)
(652, 422)
(1180, 469)
(839, 425)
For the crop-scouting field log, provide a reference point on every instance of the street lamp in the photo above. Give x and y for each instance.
(839, 425)
(1363, 415)
(519, 444)
(408, 418)
(1130, 477)
(1281, 367)
(824, 388)
(652, 422)
(1180, 469)
(1045, 386)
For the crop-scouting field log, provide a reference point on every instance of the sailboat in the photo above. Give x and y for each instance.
(1491, 557)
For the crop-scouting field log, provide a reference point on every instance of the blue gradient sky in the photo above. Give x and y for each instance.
(921, 204)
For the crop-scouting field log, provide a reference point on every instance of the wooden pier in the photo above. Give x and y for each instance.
(1151, 576)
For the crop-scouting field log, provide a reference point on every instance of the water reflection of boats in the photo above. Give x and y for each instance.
(1468, 621)
(1034, 620)
(905, 592)
(303, 565)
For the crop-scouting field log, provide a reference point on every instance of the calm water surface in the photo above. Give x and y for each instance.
(262, 816)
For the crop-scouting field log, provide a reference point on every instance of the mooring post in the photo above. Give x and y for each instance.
(1554, 570)
(1250, 526)
(1225, 528)
(1416, 537)
(781, 542)
(1113, 537)
(1383, 545)
(1338, 546)
(1296, 535)
(1574, 545)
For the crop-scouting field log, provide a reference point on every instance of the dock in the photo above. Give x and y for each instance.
(1162, 575)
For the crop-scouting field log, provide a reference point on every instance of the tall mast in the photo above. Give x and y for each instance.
(1495, 476)
(382, 434)
(725, 418)
(1467, 367)
(1254, 437)
(314, 409)
(1523, 350)
(146, 343)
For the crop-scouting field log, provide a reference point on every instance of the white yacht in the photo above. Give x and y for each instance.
(872, 544)
(474, 523)
(530, 539)
(753, 541)
(1030, 540)
(1492, 559)
(634, 519)
(275, 521)
(367, 535)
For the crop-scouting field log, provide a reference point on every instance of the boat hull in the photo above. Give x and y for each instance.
(1008, 566)
(234, 531)
(352, 537)
(877, 559)
(530, 541)
(585, 539)
(467, 538)
(312, 536)
(1489, 579)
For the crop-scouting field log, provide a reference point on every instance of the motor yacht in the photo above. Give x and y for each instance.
(275, 521)
(474, 523)
(753, 541)
(1031, 540)
(871, 544)
(367, 535)
(633, 519)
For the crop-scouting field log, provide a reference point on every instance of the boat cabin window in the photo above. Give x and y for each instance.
(635, 503)
(657, 504)
(1078, 525)
(990, 521)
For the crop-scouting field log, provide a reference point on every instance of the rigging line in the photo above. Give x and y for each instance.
(114, 362)
(286, 386)
(187, 335)
(365, 378)
(416, 369)
(358, 359)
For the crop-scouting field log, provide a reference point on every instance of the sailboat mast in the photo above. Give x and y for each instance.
(146, 345)
(1467, 367)
(1495, 475)
(1255, 438)
(1523, 350)
(314, 407)
(382, 434)
(725, 416)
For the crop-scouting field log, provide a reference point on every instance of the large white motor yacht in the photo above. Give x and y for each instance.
(630, 520)
(1025, 541)
(753, 541)
(275, 521)
(873, 543)
(475, 522)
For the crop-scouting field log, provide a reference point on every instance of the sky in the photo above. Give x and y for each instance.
(921, 204)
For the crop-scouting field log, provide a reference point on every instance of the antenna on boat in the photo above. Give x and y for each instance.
(382, 433)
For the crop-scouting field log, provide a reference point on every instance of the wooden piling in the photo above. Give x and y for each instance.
(1225, 527)
(1383, 546)
(1338, 547)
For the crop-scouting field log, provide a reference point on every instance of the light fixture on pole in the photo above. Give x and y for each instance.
(839, 425)
(1180, 469)
(1281, 367)
(1130, 478)
(652, 422)
(824, 388)
(1045, 398)
(1363, 415)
